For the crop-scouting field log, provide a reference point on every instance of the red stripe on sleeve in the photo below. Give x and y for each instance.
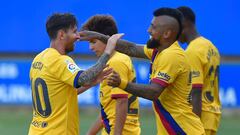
(115, 96)
(197, 85)
(161, 82)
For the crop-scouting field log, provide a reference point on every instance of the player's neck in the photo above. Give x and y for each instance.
(58, 46)
(192, 35)
(165, 45)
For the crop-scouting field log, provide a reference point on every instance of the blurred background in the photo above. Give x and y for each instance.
(23, 35)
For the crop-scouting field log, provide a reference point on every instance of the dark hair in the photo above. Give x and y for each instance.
(59, 21)
(104, 24)
(172, 13)
(187, 13)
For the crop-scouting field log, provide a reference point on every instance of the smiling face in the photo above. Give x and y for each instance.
(163, 30)
(70, 37)
(159, 31)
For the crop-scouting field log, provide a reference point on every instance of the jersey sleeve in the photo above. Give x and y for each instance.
(195, 60)
(123, 70)
(66, 70)
(167, 70)
(148, 52)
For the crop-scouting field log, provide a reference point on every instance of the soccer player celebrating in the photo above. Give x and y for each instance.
(170, 74)
(55, 77)
(204, 60)
(119, 109)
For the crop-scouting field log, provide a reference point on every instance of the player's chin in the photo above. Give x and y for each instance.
(70, 49)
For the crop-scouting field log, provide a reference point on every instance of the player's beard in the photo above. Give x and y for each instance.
(70, 48)
(153, 43)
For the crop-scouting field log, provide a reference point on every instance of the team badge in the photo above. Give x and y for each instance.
(72, 67)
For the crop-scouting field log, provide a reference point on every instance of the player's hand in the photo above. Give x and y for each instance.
(112, 42)
(114, 79)
(90, 35)
(102, 75)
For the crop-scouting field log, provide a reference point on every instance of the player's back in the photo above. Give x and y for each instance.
(122, 64)
(205, 60)
(54, 98)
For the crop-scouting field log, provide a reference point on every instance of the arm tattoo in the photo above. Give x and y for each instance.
(130, 49)
(127, 47)
(148, 91)
(89, 75)
(103, 38)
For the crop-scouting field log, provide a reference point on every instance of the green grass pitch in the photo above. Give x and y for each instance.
(16, 121)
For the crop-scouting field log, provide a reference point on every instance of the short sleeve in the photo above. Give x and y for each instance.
(166, 70)
(196, 68)
(66, 70)
(123, 70)
(148, 52)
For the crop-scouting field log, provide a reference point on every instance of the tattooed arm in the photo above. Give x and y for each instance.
(89, 75)
(131, 49)
(101, 76)
(123, 46)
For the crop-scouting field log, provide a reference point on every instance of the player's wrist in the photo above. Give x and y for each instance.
(103, 38)
(107, 52)
(123, 84)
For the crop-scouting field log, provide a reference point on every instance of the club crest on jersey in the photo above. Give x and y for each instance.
(72, 67)
(163, 76)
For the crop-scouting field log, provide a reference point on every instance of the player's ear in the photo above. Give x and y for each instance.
(167, 34)
(61, 34)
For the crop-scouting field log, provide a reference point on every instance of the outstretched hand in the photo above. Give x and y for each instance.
(102, 75)
(114, 79)
(112, 42)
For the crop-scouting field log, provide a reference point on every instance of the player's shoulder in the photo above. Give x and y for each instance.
(48, 54)
(120, 57)
(173, 52)
(200, 43)
(52, 57)
(119, 60)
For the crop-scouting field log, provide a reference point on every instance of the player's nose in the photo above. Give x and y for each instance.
(149, 30)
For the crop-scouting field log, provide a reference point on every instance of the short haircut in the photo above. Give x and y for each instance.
(172, 13)
(187, 13)
(104, 24)
(59, 21)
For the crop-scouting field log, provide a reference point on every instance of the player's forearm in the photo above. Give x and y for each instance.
(130, 48)
(82, 89)
(147, 91)
(121, 114)
(89, 75)
(96, 127)
(197, 101)
(126, 47)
